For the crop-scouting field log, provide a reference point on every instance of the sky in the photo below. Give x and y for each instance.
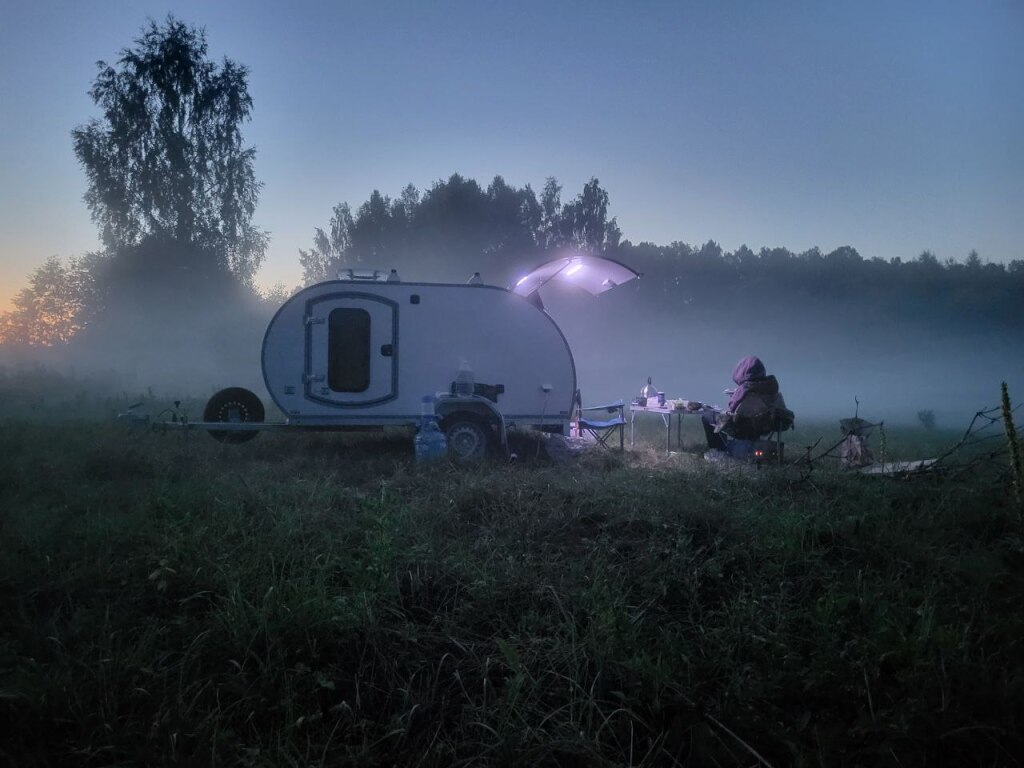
(891, 127)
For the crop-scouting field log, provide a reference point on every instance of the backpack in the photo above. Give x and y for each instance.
(854, 452)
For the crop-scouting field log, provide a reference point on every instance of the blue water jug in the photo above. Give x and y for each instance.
(430, 442)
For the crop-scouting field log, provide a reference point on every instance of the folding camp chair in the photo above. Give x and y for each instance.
(601, 430)
(760, 439)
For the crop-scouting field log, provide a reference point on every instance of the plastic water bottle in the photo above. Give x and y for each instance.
(464, 381)
(430, 442)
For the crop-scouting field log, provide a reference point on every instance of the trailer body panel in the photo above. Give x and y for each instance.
(366, 353)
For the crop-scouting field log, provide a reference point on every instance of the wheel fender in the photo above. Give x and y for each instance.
(478, 409)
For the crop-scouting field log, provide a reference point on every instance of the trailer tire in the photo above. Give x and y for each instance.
(469, 437)
(232, 405)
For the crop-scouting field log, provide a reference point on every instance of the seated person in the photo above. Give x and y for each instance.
(755, 408)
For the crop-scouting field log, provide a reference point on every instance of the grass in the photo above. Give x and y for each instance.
(318, 599)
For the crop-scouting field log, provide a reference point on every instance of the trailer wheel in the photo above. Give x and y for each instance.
(468, 438)
(234, 404)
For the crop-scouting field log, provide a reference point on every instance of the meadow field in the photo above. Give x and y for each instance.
(319, 599)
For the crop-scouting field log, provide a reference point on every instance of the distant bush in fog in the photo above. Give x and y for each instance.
(927, 419)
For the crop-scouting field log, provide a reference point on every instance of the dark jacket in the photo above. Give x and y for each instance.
(748, 371)
(757, 406)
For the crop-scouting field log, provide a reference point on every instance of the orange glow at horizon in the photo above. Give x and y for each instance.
(7, 294)
(13, 277)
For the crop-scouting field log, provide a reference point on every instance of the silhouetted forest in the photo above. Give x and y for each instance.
(458, 227)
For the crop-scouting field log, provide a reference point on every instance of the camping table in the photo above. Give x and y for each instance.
(666, 414)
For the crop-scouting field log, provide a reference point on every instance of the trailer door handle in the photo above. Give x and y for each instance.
(387, 350)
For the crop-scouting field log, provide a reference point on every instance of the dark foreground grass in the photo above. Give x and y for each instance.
(319, 600)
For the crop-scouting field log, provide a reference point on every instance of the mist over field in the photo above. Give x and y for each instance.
(170, 345)
(823, 361)
(825, 352)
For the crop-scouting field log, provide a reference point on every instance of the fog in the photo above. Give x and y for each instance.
(191, 341)
(167, 349)
(822, 360)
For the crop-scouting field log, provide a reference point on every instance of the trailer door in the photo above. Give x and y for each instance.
(351, 349)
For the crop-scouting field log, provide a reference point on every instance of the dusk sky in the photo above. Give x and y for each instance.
(891, 127)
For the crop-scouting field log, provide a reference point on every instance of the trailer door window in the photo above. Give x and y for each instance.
(348, 350)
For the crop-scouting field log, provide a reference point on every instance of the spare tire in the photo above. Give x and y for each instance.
(233, 405)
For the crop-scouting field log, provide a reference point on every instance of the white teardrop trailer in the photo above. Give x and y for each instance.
(362, 351)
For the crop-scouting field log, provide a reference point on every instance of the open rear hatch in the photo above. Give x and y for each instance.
(594, 274)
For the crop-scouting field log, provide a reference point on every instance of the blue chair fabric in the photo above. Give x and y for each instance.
(602, 430)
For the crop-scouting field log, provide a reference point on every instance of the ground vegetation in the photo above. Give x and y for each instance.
(321, 600)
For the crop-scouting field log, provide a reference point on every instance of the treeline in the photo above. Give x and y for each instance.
(458, 227)
(855, 291)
